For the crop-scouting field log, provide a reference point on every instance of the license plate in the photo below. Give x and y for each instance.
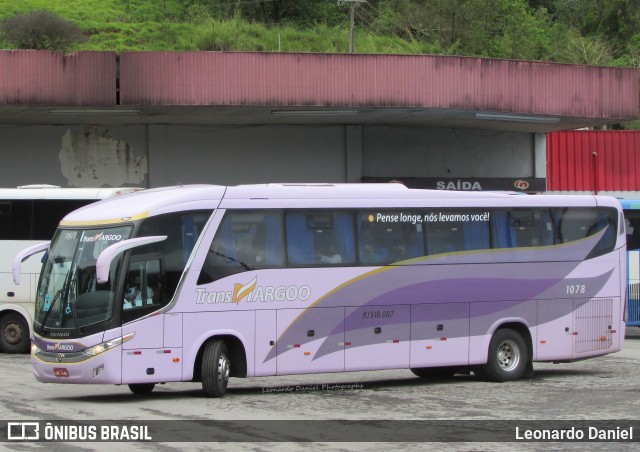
(60, 372)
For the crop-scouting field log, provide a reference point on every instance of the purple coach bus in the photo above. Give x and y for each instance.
(202, 283)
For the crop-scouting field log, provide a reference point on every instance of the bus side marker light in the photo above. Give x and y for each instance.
(393, 341)
(613, 331)
(575, 333)
(344, 344)
(428, 347)
(176, 360)
(603, 338)
(443, 339)
(307, 353)
(134, 353)
(543, 341)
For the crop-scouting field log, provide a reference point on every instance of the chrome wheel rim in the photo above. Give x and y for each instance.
(508, 355)
(223, 368)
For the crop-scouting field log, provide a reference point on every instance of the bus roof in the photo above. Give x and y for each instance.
(157, 201)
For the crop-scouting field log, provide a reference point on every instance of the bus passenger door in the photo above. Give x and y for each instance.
(377, 337)
(266, 335)
(310, 340)
(154, 353)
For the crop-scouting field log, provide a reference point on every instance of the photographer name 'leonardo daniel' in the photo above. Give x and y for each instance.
(576, 434)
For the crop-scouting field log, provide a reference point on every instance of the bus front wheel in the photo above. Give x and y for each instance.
(14, 333)
(508, 357)
(215, 368)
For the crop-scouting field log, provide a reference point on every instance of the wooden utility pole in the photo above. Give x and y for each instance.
(352, 22)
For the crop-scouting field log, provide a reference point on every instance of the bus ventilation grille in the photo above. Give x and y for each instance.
(593, 320)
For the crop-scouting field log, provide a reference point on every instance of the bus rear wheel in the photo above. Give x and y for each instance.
(215, 368)
(14, 333)
(508, 357)
(142, 388)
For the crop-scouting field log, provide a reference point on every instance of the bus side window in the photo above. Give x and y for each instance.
(182, 230)
(580, 222)
(373, 248)
(300, 240)
(532, 227)
(459, 230)
(445, 237)
(319, 238)
(143, 287)
(385, 242)
(244, 241)
(522, 228)
(476, 232)
(16, 220)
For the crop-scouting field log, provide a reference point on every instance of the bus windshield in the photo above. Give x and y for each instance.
(69, 296)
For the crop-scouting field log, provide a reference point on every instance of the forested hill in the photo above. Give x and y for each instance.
(595, 32)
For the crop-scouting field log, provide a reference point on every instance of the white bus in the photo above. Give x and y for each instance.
(28, 215)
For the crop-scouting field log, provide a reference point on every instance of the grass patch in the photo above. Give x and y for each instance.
(136, 25)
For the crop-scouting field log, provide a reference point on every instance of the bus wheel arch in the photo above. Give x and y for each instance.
(14, 332)
(509, 355)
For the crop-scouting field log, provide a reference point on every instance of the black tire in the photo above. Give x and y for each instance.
(142, 388)
(508, 357)
(215, 368)
(441, 373)
(14, 334)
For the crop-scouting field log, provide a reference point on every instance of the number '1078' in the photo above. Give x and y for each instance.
(576, 288)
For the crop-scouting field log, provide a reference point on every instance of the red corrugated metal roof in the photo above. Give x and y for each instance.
(317, 80)
(582, 160)
(37, 77)
(339, 80)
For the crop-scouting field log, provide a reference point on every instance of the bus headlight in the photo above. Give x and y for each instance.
(101, 348)
(34, 348)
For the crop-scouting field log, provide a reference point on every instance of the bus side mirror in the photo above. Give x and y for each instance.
(23, 256)
(109, 254)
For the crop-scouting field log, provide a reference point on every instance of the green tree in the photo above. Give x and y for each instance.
(41, 30)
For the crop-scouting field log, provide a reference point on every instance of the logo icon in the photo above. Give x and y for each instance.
(240, 291)
(21, 431)
(521, 184)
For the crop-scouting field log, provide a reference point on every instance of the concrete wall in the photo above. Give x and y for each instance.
(253, 154)
(157, 155)
(74, 156)
(422, 152)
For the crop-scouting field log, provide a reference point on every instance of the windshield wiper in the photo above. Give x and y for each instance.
(63, 290)
(224, 256)
(53, 302)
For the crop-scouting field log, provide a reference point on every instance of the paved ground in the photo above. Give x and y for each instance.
(605, 388)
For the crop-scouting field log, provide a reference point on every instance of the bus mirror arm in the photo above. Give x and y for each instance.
(23, 256)
(109, 254)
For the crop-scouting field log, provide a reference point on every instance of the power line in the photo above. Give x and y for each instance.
(389, 39)
(352, 22)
